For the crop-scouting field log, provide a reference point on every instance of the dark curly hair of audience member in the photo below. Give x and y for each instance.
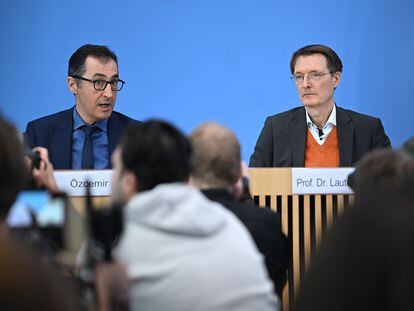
(156, 152)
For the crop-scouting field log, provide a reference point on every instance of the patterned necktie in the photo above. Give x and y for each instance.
(320, 132)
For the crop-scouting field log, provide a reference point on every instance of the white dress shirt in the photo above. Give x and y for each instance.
(327, 129)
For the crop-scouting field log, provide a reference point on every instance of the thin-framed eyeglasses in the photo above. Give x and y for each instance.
(312, 76)
(100, 85)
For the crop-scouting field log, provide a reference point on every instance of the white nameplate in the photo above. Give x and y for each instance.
(321, 180)
(74, 183)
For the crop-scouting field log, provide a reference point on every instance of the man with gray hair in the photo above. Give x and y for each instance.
(216, 170)
(319, 133)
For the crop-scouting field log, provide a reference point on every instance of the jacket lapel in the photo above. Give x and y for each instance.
(115, 130)
(61, 141)
(298, 138)
(345, 130)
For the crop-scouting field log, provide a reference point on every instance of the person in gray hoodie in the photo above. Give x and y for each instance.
(181, 251)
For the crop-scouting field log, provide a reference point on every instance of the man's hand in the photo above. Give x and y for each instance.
(43, 175)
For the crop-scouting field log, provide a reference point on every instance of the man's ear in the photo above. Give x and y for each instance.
(337, 78)
(72, 85)
(237, 188)
(130, 183)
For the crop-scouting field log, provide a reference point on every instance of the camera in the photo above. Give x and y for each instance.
(105, 226)
(34, 156)
(38, 220)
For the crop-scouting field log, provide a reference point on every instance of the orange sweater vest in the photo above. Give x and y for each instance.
(325, 155)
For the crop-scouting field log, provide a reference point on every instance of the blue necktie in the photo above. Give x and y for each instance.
(87, 151)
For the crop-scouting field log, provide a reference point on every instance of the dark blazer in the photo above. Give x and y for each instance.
(282, 141)
(264, 226)
(54, 132)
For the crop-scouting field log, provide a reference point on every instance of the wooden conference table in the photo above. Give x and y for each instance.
(306, 218)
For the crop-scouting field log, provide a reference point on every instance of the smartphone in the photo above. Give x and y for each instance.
(37, 206)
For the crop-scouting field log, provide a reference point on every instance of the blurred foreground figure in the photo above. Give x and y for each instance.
(216, 170)
(26, 283)
(182, 251)
(12, 168)
(366, 262)
(408, 146)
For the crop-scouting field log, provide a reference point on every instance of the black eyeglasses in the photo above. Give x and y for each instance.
(100, 85)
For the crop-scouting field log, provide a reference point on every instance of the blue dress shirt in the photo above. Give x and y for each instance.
(99, 140)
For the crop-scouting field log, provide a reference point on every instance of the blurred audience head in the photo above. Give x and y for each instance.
(12, 167)
(384, 173)
(216, 156)
(408, 146)
(26, 283)
(365, 262)
(150, 153)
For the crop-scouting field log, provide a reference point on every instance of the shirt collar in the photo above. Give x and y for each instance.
(331, 119)
(78, 122)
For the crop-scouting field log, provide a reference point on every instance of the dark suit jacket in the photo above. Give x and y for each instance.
(54, 132)
(282, 141)
(264, 226)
